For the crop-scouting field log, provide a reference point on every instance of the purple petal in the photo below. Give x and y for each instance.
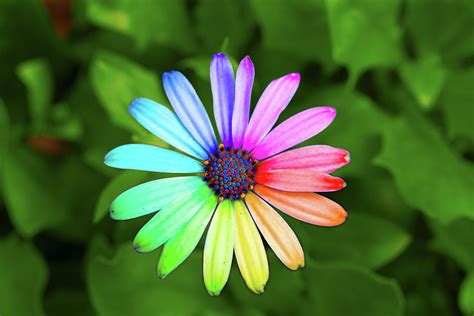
(294, 130)
(243, 94)
(189, 109)
(223, 85)
(273, 101)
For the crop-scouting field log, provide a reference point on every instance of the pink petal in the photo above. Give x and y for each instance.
(320, 158)
(307, 207)
(294, 130)
(273, 101)
(299, 180)
(243, 94)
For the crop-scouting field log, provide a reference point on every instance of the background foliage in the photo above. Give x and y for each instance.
(399, 72)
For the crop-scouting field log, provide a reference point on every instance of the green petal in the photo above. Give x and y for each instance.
(151, 196)
(177, 249)
(167, 222)
(218, 249)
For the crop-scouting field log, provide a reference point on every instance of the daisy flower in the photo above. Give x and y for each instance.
(235, 184)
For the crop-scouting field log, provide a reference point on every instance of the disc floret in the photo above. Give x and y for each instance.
(230, 173)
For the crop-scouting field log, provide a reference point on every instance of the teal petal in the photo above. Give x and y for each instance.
(169, 221)
(151, 158)
(177, 249)
(152, 196)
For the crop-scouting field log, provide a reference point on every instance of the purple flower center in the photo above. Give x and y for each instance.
(230, 173)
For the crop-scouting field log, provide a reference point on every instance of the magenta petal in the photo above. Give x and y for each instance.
(273, 101)
(320, 158)
(294, 130)
(223, 89)
(243, 94)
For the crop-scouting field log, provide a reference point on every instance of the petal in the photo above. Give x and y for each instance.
(249, 250)
(178, 248)
(273, 101)
(320, 158)
(299, 180)
(294, 130)
(189, 109)
(169, 221)
(218, 249)
(276, 232)
(162, 122)
(223, 89)
(151, 158)
(152, 196)
(307, 207)
(243, 94)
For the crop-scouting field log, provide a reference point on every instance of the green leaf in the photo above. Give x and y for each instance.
(456, 100)
(425, 79)
(455, 240)
(117, 185)
(339, 289)
(430, 177)
(364, 34)
(283, 293)
(292, 29)
(36, 76)
(442, 26)
(233, 18)
(363, 239)
(127, 284)
(466, 295)
(30, 192)
(24, 276)
(356, 128)
(117, 81)
(159, 21)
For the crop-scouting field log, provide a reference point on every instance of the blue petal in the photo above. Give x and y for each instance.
(162, 122)
(151, 158)
(223, 93)
(189, 109)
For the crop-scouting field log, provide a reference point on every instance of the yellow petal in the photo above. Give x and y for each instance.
(249, 250)
(218, 249)
(276, 232)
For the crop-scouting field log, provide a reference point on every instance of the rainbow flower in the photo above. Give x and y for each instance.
(235, 184)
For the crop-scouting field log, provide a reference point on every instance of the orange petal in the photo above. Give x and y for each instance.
(307, 207)
(276, 232)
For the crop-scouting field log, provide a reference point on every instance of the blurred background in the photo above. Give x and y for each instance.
(399, 72)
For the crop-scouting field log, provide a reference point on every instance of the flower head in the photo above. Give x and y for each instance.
(237, 182)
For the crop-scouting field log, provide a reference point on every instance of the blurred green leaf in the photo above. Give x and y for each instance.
(283, 293)
(36, 76)
(161, 21)
(117, 185)
(130, 280)
(297, 29)
(364, 34)
(424, 78)
(430, 177)
(340, 290)
(363, 240)
(117, 81)
(457, 99)
(455, 240)
(23, 275)
(442, 26)
(356, 128)
(466, 295)
(30, 193)
(234, 21)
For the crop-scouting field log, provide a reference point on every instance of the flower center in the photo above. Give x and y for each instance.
(230, 173)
